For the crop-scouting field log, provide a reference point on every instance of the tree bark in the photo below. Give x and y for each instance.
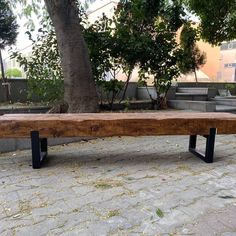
(4, 81)
(126, 84)
(195, 73)
(2, 67)
(79, 87)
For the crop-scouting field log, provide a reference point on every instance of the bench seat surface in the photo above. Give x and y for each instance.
(116, 124)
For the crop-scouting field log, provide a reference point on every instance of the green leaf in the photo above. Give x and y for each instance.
(159, 213)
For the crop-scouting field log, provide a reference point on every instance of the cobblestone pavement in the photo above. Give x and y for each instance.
(120, 186)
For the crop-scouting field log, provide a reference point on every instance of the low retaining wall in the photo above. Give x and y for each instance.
(211, 85)
(33, 110)
(19, 90)
(143, 93)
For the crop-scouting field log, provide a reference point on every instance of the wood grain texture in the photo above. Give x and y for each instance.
(116, 124)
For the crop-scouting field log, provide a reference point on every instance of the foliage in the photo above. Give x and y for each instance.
(141, 34)
(8, 25)
(150, 28)
(192, 58)
(43, 69)
(100, 52)
(230, 87)
(111, 89)
(8, 34)
(14, 72)
(159, 213)
(113, 52)
(217, 19)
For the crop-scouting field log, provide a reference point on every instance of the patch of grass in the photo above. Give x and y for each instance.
(122, 175)
(149, 177)
(130, 178)
(25, 207)
(106, 184)
(103, 185)
(184, 168)
(75, 210)
(113, 213)
(159, 213)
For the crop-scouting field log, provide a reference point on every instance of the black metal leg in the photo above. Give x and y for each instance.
(39, 149)
(44, 145)
(210, 145)
(192, 141)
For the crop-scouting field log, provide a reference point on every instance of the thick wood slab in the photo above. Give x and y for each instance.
(116, 124)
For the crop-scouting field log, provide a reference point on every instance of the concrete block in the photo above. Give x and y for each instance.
(203, 106)
(192, 90)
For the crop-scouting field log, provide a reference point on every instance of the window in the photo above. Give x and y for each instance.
(224, 46)
(229, 65)
(230, 46)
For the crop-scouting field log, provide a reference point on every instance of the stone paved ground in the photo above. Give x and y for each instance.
(120, 186)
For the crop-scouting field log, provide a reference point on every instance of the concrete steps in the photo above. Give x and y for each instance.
(225, 104)
(204, 106)
(193, 90)
(192, 97)
(225, 108)
(192, 94)
(229, 101)
(201, 99)
(195, 99)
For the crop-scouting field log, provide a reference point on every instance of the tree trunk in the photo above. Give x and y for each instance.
(4, 81)
(195, 73)
(126, 84)
(79, 86)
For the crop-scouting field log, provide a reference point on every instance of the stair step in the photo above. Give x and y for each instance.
(193, 97)
(205, 106)
(193, 90)
(225, 108)
(225, 101)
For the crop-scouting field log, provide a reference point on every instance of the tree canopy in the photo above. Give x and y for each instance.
(217, 19)
(8, 25)
(192, 58)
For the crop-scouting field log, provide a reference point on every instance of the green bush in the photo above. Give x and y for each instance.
(14, 72)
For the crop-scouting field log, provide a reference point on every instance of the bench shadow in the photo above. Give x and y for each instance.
(121, 159)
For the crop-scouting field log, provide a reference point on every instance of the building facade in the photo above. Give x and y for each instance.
(227, 70)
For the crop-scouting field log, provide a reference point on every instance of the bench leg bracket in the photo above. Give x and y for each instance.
(39, 149)
(210, 144)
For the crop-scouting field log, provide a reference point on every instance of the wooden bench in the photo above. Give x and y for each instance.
(39, 127)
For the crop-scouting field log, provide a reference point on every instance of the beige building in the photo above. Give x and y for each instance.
(227, 70)
(100, 7)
